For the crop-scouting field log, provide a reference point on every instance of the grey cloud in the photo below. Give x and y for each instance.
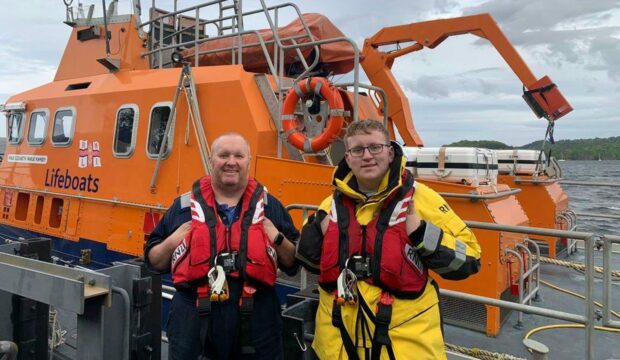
(433, 87)
(537, 23)
(491, 82)
(519, 16)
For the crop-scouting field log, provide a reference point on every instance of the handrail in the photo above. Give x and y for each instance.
(603, 216)
(518, 180)
(158, 207)
(475, 197)
(383, 96)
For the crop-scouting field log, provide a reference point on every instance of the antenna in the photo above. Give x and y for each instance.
(111, 64)
(107, 36)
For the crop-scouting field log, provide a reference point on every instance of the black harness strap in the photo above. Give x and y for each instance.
(246, 308)
(246, 302)
(349, 347)
(382, 320)
(203, 304)
(342, 213)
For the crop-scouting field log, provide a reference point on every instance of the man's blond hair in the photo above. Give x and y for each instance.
(365, 127)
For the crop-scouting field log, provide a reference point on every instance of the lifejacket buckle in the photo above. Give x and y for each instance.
(218, 284)
(383, 314)
(360, 265)
(228, 261)
(203, 305)
(246, 301)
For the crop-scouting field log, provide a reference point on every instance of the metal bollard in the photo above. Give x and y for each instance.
(539, 350)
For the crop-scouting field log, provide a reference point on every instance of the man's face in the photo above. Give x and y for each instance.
(369, 168)
(230, 162)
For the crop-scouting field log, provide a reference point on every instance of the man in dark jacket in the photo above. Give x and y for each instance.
(223, 328)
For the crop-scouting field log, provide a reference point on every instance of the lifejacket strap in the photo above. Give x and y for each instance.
(203, 305)
(246, 308)
(346, 339)
(383, 317)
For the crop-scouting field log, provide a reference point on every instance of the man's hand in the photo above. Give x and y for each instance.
(160, 254)
(180, 233)
(270, 229)
(413, 222)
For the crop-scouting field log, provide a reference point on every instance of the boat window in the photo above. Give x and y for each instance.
(157, 128)
(64, 124)
(37, 128)
(16, 127)
(125, 131)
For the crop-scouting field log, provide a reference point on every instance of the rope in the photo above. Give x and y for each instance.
(569, 326)
(575, 265)
(481, 354)
(615, 313)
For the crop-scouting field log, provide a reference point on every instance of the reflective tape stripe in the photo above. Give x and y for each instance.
(460, 255)
(185, 200)
(431, 239)
(458, 261)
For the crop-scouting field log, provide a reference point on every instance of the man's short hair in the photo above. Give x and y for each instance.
(230, 133)
(365, 127)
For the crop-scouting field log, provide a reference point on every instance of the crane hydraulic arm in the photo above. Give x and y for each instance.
(542, 95)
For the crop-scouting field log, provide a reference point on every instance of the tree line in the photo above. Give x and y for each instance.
(579, 149)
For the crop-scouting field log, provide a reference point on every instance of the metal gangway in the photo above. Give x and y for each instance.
(115, 311)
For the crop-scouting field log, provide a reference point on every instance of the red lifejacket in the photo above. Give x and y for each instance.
(395, 265)
(209, 236)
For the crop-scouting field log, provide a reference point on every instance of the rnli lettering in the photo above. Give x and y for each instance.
(444, 208)
(178, 253)
(56, 178)
(413, 258)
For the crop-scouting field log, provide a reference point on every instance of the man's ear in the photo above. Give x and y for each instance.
(391, 155)
(347, 158)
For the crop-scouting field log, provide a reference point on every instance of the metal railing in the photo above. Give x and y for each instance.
(591, 241)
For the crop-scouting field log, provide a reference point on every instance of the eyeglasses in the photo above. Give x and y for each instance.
(373, 149)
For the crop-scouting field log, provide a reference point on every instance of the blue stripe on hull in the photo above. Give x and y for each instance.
(68, 250)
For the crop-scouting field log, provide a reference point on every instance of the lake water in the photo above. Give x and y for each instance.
(594, 199)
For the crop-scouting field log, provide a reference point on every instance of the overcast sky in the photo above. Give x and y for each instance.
(460, 90)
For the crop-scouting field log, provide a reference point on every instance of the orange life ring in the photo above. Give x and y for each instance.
(319, 86)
